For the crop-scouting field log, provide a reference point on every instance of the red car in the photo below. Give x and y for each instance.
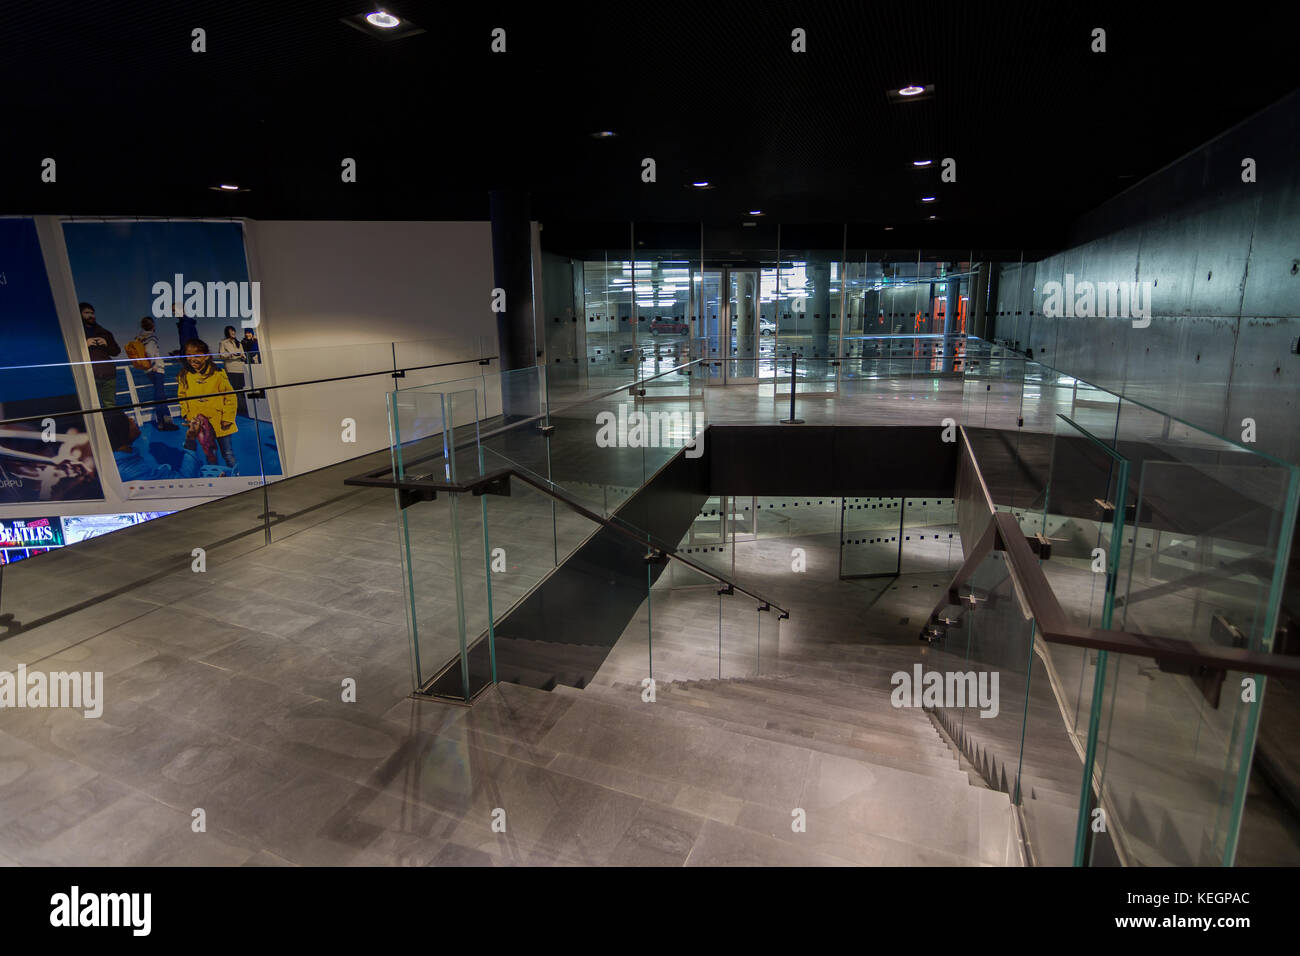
(666, 324)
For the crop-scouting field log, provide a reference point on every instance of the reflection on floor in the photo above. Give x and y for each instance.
(224, 692)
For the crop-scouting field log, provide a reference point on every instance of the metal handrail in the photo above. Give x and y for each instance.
(518, 422)
(492, 481)
(254, 391)
(1209, 664)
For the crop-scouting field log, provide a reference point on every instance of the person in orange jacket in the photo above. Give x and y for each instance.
(198, 386)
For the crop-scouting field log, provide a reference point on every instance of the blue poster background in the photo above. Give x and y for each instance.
(35, 379)
(114, 267)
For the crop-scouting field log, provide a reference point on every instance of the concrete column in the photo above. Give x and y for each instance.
(512, 270)
(819, 308)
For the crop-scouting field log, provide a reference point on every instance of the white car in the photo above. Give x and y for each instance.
(765, 327)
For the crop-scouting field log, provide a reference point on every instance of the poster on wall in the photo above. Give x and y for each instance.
(171, 319)
(27, 537)
(48, 458)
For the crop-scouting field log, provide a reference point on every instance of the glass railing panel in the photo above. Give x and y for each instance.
(1093, 408)
(538, 637)
(433, 361)
(667, 370)
(592, 620)
(870, 530)
(972, 504)
(609, 443)
(1083, 525)
(931, 540)
(1006, 714)
(811, 376)
(1170, 764)
(794, 517)
(994, 638)
(437, 542)
(710, 542)
(514, 418)
(1205, 553)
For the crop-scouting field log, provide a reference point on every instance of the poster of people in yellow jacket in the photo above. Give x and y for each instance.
(200, 386)
(183, 290)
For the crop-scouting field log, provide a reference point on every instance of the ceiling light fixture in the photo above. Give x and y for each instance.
(756, 212)
(382, 25)
(927, 199)
(912, 90)
(702, 185)
(604, 134)
(922, 162)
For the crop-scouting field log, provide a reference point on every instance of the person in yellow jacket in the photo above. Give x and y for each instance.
(198, 386)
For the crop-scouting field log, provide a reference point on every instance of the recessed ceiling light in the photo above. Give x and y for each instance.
(604, 134)
(382, 25)
(912, 90)
(889, 229)
(922, 162)
(756, 212)
(927, 199)
(701, 185)
(228, 188)
(934, 217)
(231, 188)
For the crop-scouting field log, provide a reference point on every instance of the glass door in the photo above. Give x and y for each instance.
(728, 313)
(743, 325)
(710, 312)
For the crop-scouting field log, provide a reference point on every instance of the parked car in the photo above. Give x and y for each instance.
(667, 325)
(765, 327)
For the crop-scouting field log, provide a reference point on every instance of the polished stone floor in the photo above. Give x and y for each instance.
(224, 692)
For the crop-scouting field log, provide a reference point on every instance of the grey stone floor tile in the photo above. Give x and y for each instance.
(125, 829)
(657, 836)
(721, 845)
(331, 736)
(176, 630)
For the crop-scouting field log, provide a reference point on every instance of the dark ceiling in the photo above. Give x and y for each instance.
(1041, 128)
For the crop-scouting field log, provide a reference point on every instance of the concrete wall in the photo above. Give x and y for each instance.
(336, 294)
(1223, 257)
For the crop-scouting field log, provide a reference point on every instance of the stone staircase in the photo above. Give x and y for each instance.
(879, 785)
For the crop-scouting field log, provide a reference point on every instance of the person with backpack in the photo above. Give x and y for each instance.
(145, 355)
(207, 399)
